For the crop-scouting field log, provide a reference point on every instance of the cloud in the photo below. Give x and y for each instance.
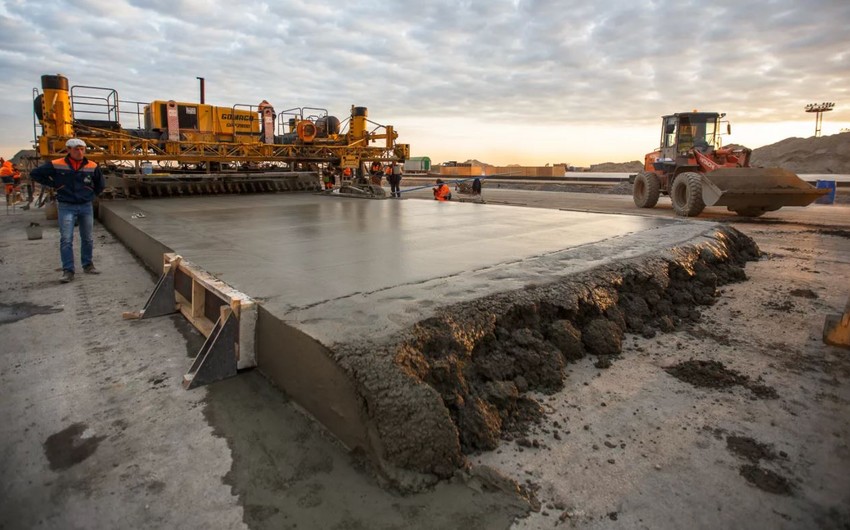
(499, 62)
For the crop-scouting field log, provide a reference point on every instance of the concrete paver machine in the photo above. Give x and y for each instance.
(165, 147)
(695, 171)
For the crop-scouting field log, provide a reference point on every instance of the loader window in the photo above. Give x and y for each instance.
(711, 133)
(686, 137)
(669, 138)
(702, 134)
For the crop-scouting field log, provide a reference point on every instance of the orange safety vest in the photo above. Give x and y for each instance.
(346, 172)
(7, 175)
(442, 192)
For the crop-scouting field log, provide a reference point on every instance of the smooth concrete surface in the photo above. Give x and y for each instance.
(293, 252)
(817, 214)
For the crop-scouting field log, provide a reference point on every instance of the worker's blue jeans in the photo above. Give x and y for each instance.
(68, 215)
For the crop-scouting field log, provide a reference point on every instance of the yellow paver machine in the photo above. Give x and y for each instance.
(166, 147)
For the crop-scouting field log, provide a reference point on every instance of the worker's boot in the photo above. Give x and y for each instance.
(67, 276)
(89, 269)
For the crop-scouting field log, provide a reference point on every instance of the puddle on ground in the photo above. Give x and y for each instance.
(70, 446)
(13, 312)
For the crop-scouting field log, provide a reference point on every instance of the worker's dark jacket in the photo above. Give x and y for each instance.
(73, 186)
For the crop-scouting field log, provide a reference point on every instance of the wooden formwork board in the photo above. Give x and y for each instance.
(203, 299)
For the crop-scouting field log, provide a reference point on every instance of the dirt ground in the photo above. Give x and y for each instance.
(737, 419)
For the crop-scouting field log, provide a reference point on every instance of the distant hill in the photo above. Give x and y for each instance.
(825, 154)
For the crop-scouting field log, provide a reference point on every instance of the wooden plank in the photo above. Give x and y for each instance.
(201, 323)
(215, 286)
(199, 295)
(203, 285)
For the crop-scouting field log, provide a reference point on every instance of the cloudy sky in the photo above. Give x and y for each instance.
(503, 81)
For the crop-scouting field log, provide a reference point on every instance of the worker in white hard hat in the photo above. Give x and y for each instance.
(76, 181)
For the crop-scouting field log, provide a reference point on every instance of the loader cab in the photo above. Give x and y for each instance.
(685, 130)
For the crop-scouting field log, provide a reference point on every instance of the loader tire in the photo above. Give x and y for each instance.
(749, 212)
(686, 194)
(646, 190)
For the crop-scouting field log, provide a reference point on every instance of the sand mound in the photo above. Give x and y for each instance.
(617, 167)
(826, 154)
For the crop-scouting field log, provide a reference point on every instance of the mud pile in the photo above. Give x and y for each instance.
(461, 381)
(712, 374)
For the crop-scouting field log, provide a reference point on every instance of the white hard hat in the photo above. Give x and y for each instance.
(74, 142)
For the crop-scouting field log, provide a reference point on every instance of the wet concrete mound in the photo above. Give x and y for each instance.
(461, 380)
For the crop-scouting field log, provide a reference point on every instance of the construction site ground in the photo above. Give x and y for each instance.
(737, 419)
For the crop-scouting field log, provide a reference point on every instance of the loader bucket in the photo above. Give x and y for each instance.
(753, 188)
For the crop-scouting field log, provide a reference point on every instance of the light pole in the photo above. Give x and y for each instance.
(819, 109)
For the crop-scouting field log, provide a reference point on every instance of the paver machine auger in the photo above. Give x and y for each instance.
(165, 147)
(695, 171)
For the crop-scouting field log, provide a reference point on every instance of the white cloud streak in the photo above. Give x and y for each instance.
(566, 64)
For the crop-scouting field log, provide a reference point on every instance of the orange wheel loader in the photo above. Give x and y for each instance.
(692, 168)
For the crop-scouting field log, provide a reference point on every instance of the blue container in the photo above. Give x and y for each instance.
(829, 198)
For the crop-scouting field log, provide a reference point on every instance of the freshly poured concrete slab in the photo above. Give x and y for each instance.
(300, 251)
(344, 285)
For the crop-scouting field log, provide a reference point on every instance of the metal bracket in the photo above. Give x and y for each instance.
(230, 339)
(217, 358)
(161, 301)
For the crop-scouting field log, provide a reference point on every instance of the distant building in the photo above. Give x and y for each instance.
(417, 164)
(471, 170)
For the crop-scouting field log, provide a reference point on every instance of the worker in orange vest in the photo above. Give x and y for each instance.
(328, 177)
(376, 171)
(8, 172)
(346, 173)
(442, 191)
